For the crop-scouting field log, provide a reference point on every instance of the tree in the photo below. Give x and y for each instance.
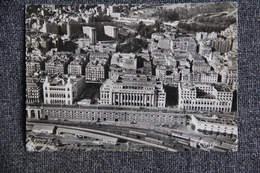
(167, 15)
(157, 25)
(132, 45)
(78, 34)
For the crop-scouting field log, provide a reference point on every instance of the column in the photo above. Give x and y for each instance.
(118, 98)
(140, 99)
(29, 113)
(121, 99)
(113, 98)
(145, 100)
(36, 113)
(153, 103)
(130, 99)
(136, 100)
(124, 99)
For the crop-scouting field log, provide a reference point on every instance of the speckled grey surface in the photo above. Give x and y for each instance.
(14, 158)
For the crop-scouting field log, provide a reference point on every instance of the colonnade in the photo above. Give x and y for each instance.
(133, 99)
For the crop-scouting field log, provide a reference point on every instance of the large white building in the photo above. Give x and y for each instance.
(205, 97)
(62, 89)
(132, 90)
(91, 32)
(111, 31)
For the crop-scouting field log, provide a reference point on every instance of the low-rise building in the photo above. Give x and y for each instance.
(157, 36)
(107, 46)
(214, 124)
(98, 55)
(204, 77)
(209, 77)
(37, 128)
(84, 42)
(164, 43)
(93, 115)
(200, 64)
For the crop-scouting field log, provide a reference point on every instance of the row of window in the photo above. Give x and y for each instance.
(56, 101)
(208, 108)
(181, 121)
(46, 111)
(57, 89)
(133, 97)
(217, 127)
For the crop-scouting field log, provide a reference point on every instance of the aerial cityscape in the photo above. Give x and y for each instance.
(131, 77)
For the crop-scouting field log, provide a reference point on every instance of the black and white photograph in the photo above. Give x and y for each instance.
(131, 77)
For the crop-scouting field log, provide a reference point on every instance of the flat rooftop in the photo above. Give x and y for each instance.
(222, 88)
(127, 61)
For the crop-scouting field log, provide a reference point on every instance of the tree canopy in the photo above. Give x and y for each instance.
(167, 15)
(132, 45)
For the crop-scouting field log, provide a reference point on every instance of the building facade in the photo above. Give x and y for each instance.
(214, 125)
(111, 31)
(91, 33)
(97, 68)
(32, 67)
(62, 89)
(93, 56)
(77, 66)
(205, 97)
(57, 64)
(183, 44)
(84, 42)
(132, 91)
(33, 90)
(95, 71)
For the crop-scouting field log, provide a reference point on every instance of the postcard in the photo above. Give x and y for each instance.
(131, 77)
